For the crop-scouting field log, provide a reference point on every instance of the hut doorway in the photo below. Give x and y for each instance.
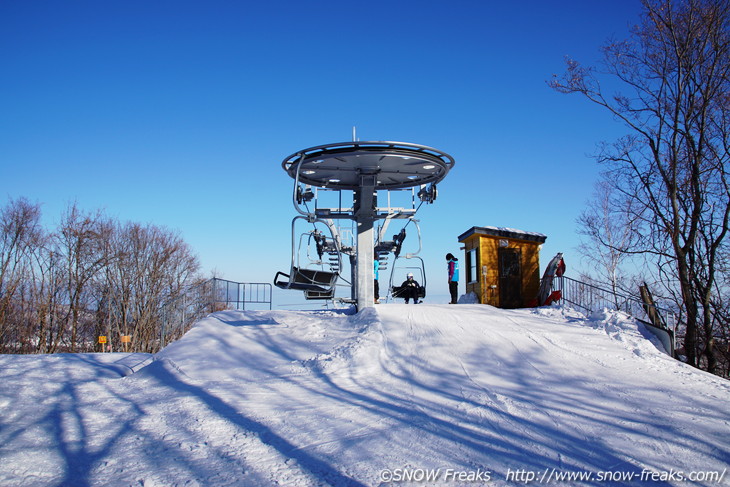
(510, 277)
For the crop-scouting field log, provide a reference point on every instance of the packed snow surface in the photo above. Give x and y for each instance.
(403, 394)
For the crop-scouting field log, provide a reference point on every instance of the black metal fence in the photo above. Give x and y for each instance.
(179, 314)
(591, 298)
(212, 295)
(238, 295)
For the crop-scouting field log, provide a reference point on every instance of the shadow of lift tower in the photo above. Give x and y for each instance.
(363, 168)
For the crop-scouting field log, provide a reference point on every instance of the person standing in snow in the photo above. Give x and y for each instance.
(376, 284)
(409, 289)
(453, 267)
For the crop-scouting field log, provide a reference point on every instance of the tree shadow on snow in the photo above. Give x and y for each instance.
(316, 467)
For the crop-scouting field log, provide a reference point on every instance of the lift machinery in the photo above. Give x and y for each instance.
(363, 169)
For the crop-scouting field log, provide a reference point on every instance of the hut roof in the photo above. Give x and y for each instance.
(504, 233)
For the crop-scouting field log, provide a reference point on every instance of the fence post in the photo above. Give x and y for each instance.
(242, 286)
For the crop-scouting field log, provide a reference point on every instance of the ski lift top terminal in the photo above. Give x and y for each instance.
(365, 168)
(395, 165)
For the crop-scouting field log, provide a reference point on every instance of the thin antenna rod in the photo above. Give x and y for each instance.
(354, 133)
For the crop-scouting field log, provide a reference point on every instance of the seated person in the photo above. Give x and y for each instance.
(409, 289)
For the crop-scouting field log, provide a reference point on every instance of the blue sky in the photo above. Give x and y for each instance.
(180, 113)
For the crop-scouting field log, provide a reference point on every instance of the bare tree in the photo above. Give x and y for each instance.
(671, 169)
(606, 229)
(82, 243)
(151, 269)
(60, 290)
(49, 291)
(20, 233)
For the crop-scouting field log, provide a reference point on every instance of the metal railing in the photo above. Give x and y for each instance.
(178, 315)
(236, 295)
(212, 295)
(592, 298)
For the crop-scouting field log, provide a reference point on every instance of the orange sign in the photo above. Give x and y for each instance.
(102, 339)
(126, 338)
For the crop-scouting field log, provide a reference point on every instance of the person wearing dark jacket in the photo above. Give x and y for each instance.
(453, 268)
(409, 289)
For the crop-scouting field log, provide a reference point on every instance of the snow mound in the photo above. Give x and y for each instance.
(468, 298)
(625, 329)
(330, 398)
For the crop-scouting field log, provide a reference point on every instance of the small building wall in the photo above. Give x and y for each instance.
(502, 266)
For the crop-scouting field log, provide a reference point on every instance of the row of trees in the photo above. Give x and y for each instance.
(662, 209)
(93, 276)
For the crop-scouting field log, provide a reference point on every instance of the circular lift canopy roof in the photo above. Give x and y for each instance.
(395, 165)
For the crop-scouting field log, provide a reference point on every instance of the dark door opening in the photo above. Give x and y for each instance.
(510, 278)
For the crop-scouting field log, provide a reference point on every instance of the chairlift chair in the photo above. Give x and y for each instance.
(418, 269)
(317, 278)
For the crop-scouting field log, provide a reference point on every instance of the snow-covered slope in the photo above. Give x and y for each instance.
(448, 395)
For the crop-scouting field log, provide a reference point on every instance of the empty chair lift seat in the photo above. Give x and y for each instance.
(315, 281)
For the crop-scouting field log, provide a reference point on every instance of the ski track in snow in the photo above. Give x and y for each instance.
(325, 398)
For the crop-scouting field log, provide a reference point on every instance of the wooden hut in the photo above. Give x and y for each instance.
(502, 265)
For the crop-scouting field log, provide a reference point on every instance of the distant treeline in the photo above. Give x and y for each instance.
(134, 285)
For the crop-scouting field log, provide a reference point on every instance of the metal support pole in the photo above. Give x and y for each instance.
(365, 220)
